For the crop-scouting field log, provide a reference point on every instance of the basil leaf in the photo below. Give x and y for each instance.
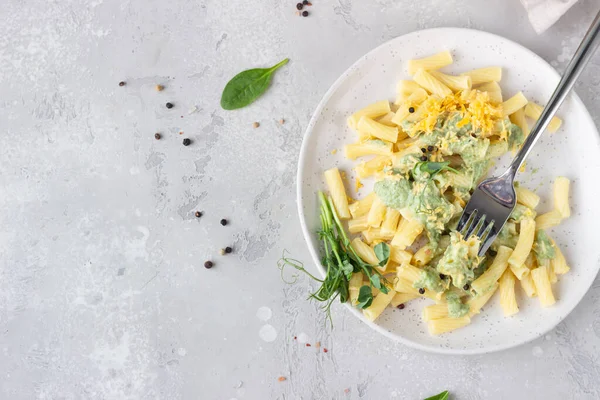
(382, 251)
(442, 396)
(347, 269)
(365, 297)
(247, 86)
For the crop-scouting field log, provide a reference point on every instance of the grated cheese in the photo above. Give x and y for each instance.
(474, 106)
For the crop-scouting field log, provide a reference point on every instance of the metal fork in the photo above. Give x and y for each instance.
(495, 198)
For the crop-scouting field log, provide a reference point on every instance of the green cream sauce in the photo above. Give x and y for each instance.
(542, 246)
(430, 279)
(456, 308)
(457, 263)
(414, 190)
(508, 236)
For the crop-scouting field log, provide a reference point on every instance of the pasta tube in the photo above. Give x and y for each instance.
(337, 192)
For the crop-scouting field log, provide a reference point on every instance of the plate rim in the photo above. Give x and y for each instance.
(306, 234)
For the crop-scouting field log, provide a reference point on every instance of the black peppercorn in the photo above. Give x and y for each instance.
(157, 136)
(422, 291)
(198, 214)
(223, 222)
(228, 249)
(305, 2)
(169, 105)
(299, 6)
(305, 13)
(400, 306)
(411, 110)
(423, 149)
(208, 264)
(187, 142)
(466, 287)
(429, 148)
(423, 158)
(121, 83)
(442, 276)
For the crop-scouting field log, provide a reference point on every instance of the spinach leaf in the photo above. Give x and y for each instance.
(442, 396)
(247, 86)
(382, 251)
(365, 297)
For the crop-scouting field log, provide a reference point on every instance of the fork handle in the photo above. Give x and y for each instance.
(584, 52)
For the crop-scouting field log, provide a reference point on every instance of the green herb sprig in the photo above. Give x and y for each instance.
(247, 86)
(341, 261)
(432, 168)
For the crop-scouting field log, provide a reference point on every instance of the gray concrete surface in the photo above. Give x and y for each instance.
(103, 293)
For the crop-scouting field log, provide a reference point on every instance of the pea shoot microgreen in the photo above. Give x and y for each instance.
(340, 261)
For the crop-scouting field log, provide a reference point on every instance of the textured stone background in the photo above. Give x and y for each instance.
(102, 290)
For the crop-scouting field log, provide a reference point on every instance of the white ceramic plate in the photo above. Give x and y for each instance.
(574, 151)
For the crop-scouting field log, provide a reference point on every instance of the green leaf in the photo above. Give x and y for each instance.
(382, 251)
(344, 295)
(365, 297)
(433, 167)
(375, 281)
(347, 269)
(442, 396)
(247, 86)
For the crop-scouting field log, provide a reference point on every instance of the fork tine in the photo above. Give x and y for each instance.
(486, 232)
(466, 223)
(487, 239)
(475, 226)
(481, 226)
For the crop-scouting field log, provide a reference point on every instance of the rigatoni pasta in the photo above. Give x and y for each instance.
(534, 111)
(372, 111)
(561, 196)
(431, 84)
(508, 298)
(514, 104)
(338, 192)
(483, 75)
(435, 61)
(426, 153)
(543, 288)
